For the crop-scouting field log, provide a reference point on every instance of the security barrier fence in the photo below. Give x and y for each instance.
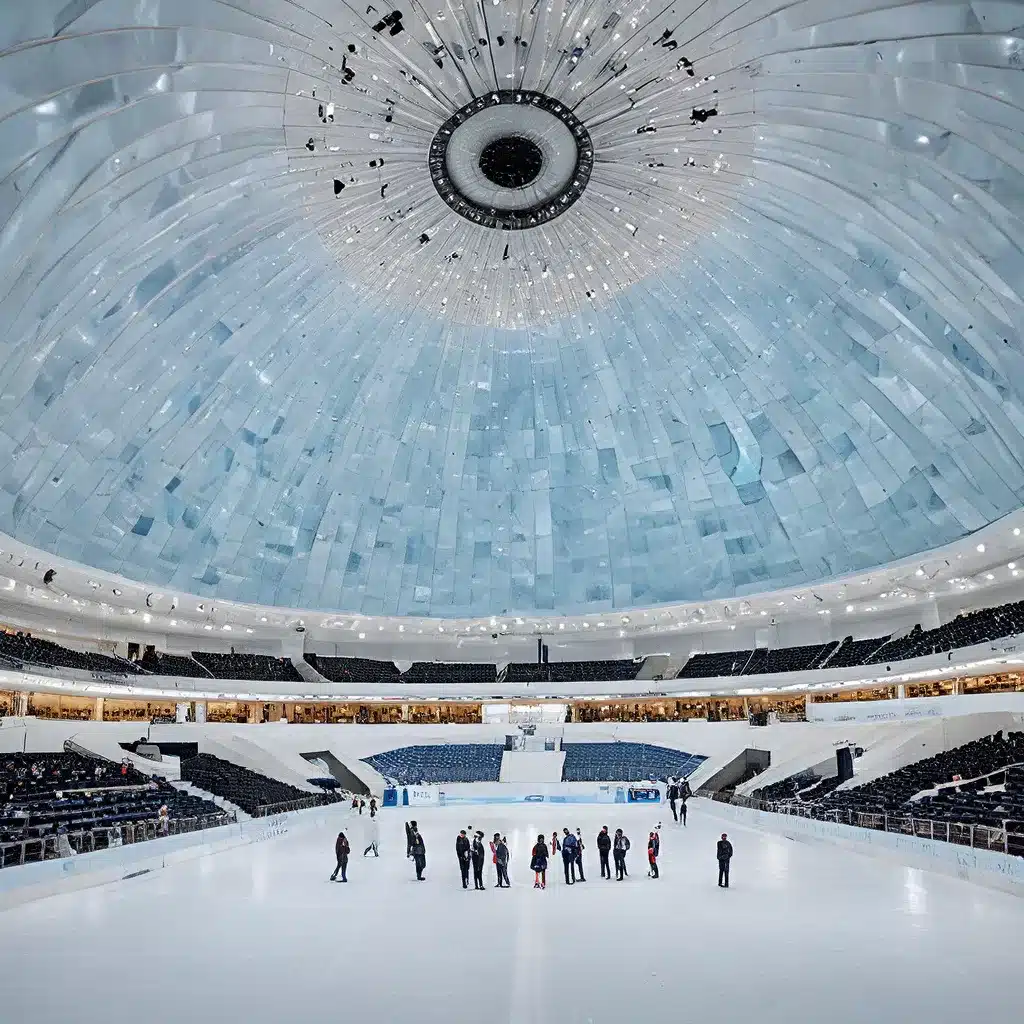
(1009, 838)
(66, 844)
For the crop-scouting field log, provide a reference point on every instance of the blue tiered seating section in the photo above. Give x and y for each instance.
(626, 762)
(443, 763)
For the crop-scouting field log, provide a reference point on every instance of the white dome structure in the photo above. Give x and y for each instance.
(505, 308)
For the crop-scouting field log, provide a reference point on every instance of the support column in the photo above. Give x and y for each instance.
(97, 711)
(901, 691)
(958, 687)
(252, 713)
(20, 704)
(200, 711)
(746, 708)
(405, 712)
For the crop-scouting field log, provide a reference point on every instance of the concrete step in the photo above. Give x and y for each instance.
(227, 805)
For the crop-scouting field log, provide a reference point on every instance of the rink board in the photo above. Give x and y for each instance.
(47, 878)
(510, 793)
(981, 867)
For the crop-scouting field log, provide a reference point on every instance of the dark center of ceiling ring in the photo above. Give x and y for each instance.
(512, 217)
(511, 161)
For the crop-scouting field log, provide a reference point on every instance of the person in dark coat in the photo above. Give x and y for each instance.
(673, 796)
(410, 827)
(579, 855)
(684, 794)
(341, 852)
(724, 856)
(501, 861)
(620, 847)
(462, 851)
(604, 844)
(362, 804)
(555, 844)
(419, 852)
(479, 853)
(569, 856)
(539, 864)
(653, 849)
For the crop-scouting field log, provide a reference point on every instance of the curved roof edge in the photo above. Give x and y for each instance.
(41, 592)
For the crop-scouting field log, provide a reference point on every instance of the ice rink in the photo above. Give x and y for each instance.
(259, 935)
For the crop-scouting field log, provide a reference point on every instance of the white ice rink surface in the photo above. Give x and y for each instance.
(258, 935)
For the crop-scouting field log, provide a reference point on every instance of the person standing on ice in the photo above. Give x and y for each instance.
(724, 854)
(555, 844)
(569, 856)
(539, 863)
(604, 844)
(419, 852)
(372, 833)
(501, 861)
(478, 861)
(579, 855)
(673, 796)
(620, 847)
(653, 849)
(462, 850)
(410, 827)
(341, 852)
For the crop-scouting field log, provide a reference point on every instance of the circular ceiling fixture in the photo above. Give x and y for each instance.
(512, 160)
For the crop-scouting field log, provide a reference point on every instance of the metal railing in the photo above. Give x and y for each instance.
(979, 837)
(51, 847)
(301, 804)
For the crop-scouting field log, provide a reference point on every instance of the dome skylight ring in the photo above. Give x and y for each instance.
(567, 159)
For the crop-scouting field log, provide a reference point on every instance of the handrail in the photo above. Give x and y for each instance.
(300, 804)
(56, 845)
(983, 837)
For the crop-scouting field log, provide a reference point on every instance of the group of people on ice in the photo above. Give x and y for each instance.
(571, 847)
(471, 853)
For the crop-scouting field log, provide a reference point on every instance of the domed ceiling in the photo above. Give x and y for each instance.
(467, 309)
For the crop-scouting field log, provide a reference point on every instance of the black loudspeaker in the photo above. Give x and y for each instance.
(510, 743)
(844, 763)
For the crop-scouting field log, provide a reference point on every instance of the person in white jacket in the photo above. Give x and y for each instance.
(372, 834)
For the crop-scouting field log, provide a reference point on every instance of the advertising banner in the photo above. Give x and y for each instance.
(646, 794)
(419, 796)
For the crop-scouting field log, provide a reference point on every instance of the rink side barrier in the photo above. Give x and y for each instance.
(980, 867)
(29, 882)
(477, 793)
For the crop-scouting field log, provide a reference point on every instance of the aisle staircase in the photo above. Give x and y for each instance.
(227, 805)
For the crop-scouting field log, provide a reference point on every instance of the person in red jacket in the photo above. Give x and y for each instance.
(341, 852)
(555, 844)
(653, 849)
